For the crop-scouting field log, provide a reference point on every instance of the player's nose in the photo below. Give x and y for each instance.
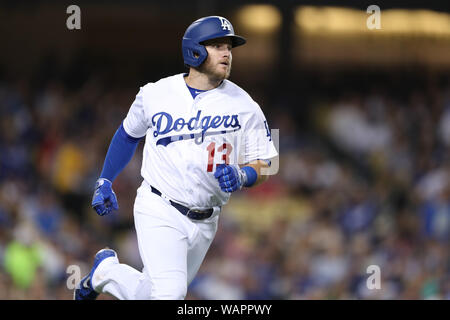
(226, 54)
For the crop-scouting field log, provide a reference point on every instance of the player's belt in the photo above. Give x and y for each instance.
(192, 214)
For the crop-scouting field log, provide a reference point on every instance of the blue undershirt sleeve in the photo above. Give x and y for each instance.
(120, 152)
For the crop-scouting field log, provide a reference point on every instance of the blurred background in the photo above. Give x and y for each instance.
(364, 120)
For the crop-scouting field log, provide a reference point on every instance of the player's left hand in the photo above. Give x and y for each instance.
(104, 200)
(229, 177)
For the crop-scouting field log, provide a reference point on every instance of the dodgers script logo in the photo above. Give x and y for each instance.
(164, 124)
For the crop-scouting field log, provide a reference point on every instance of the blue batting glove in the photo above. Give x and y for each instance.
(104, 200)
(231, 178)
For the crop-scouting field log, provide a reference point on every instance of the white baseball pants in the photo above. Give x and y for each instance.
(172, 248)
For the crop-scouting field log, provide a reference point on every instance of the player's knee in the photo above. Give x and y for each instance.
(144, 290)
(169, 289)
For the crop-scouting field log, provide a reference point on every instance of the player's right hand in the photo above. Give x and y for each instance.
(104, 200)
(230, 177)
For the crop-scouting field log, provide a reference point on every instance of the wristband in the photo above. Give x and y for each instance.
(102, 181)
(250, 176)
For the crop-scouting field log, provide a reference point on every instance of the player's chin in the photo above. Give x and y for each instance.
(223, 71)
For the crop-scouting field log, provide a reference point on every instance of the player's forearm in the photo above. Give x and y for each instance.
(258, 166)
(260, 179)
(120, 152)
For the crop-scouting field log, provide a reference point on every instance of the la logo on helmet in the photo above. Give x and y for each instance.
(225, 24)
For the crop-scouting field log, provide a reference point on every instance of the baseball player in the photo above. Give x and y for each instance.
(205, 138)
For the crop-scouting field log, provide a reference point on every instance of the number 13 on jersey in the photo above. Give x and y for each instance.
(225, 148)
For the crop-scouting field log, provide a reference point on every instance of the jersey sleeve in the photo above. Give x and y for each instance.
(258, 142)
(135, 123)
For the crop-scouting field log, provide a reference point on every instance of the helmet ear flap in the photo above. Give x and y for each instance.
(194, 54)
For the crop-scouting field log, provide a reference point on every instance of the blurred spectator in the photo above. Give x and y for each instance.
(22, 257)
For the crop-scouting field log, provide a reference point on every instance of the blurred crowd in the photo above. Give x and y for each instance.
(363, 181)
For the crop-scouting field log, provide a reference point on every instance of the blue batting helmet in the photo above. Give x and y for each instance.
(207, 28)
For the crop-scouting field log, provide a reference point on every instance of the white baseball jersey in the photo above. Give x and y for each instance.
(187, 138)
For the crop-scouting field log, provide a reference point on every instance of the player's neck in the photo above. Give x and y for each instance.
(201, 81)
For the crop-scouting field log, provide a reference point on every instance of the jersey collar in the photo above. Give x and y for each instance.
(187, 94)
